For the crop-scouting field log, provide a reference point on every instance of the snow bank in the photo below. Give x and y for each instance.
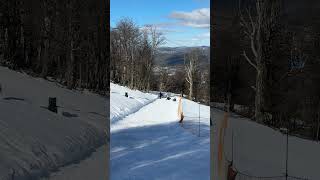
(92, 168)
(35, 141)
(261, 151)
(191, 108)
(121, 106)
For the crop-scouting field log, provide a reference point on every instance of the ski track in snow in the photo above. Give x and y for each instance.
(147, 142)
(150, 144)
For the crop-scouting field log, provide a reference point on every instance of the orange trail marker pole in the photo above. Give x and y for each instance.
(180, 112)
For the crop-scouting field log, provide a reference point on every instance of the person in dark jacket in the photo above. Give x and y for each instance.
(160, 95)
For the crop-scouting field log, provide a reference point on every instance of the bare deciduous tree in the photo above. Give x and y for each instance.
(157, 39)
(191, 65)
(133, 52)
(259, 29)
(164, 76)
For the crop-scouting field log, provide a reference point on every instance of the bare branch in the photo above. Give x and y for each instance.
(251, 20)
(245, 24)
(253, 47)
(188, 80)
(250, 62)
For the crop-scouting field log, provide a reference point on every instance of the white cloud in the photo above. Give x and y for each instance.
(163, 28)
(201, 37)
(198, 18)
(204, 35)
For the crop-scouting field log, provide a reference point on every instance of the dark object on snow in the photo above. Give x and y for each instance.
(53, 104)
(13, 98)
(97, 114)
(67, 114)
(232, 173)
(160, 95)
(181, 118)
(13, 174)
(174, 99)
(168, 98)
(126, 94)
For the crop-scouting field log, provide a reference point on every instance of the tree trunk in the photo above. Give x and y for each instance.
(318, 127)
(260, 101)
(70, 66)
(190, 89)
(80, 75)
(39, 50)
(45, 59)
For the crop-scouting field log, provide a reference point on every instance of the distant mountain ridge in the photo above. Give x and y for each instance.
(174, 56)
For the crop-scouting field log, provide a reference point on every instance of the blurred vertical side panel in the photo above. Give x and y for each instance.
(224, 51)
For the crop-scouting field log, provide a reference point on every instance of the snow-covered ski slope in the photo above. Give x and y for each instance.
(151, 144)
(93, 167)
(120, 106)
(35, 141)
(261, 151)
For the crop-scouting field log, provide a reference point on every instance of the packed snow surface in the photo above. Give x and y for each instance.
(151, 144)
(261, 151)
(94, 167)
(35, 141)
(120, 105)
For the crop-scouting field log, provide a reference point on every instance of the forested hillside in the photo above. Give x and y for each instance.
(66, 40)
(274, 72)
(139, 61)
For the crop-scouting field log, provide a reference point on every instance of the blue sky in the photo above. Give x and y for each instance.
(183, 22)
